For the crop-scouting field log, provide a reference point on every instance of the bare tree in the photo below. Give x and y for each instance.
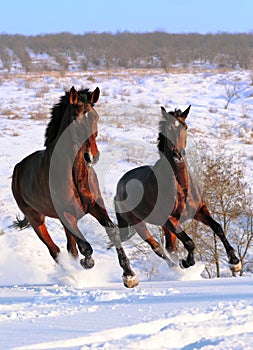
(243, 240)
(231, 92)
(227, 196)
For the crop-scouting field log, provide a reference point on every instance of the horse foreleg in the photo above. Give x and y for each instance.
(174, 227)
(70, 225)
(205, 217)
(130, 279)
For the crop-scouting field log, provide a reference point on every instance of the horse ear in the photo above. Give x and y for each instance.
(95, 95)
(164, 113)
(73, 96)
(185, 113)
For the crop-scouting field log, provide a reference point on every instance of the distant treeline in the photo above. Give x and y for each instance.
(67, 51)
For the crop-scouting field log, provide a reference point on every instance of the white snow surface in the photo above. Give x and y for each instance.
(45, 306)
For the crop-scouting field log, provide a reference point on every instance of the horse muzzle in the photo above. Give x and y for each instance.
(178, 156)
(96, 158)
(89, 159)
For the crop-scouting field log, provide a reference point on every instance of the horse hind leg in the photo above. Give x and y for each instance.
(170, 240)
(71, 244)
(170, 244)
(205, 217)
(172, 226)
(144, 233)
(42, 233)
(37, 221)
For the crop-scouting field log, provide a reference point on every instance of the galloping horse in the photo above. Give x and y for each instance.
(60, 181)
(166, 195)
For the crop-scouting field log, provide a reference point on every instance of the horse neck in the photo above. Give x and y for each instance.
(181, 173)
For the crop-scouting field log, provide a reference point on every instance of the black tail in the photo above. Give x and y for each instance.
(21, 224)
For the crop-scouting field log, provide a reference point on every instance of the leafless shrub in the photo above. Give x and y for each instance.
(42, 90)
(226, 193)
(231, 92)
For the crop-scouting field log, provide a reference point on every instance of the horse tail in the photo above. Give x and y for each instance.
(21, 223)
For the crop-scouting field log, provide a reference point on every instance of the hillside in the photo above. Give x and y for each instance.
(66, 52)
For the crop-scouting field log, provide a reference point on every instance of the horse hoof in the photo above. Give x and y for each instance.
(236, 267)
(87, 263)
(130, 281)
(183, 264)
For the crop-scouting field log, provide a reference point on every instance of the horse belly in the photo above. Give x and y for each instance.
(140, 197)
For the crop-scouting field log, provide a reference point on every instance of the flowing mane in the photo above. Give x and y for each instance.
(163, 128)
(58, 111)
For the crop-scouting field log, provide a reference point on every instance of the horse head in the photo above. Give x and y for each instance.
(75, 113)
(172, 134)
(85, 119)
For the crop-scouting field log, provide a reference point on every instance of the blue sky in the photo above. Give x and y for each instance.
(80, 16)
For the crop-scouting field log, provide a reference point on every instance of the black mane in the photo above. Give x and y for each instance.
(163, 128)
(57, 113)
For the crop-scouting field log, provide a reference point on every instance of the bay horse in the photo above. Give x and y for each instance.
(166, 195)
(60, 181)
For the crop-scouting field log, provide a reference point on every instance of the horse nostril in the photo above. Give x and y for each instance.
(177, 155)
(87, 157)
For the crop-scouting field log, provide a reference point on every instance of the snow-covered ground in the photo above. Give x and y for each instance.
(206, 314)
(43, 306)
